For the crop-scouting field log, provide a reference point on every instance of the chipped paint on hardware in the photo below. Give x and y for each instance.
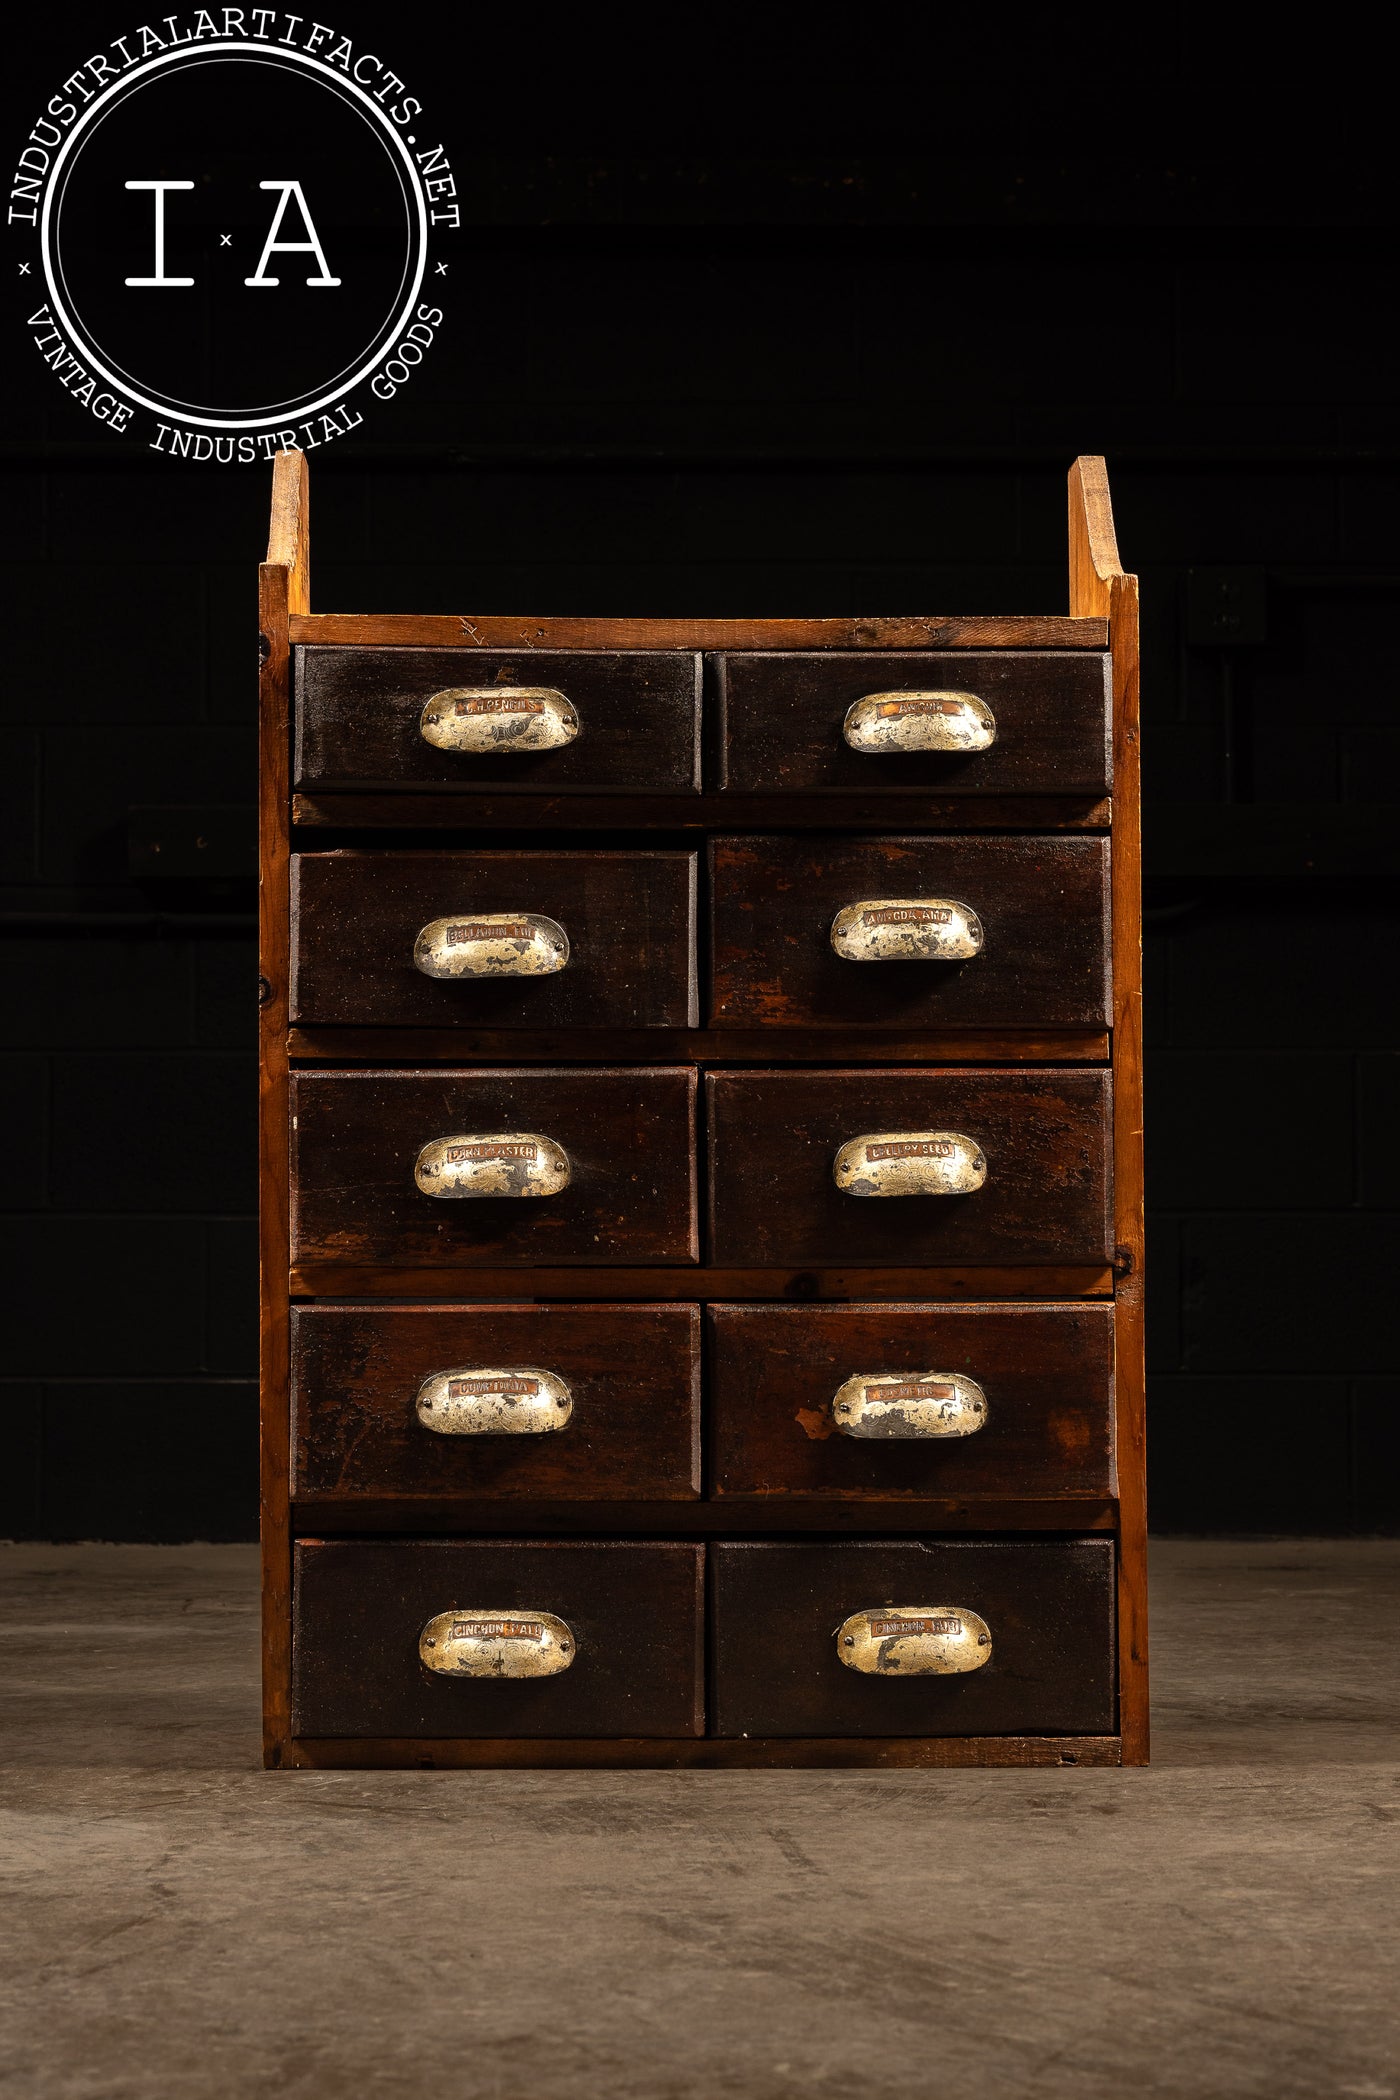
(502, 718)
(493, 1163)
(493, 944)
(893, 722)
(910, 1163)
(906, 1405)
(907, 929)
(464, 1643)
(523, 1401)
(914, 1640)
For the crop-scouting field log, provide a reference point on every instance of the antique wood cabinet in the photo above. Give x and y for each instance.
(702, 1183)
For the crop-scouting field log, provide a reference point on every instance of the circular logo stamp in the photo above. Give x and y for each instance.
(228, 225)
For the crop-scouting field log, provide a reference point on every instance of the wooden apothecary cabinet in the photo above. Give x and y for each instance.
(702, 1183)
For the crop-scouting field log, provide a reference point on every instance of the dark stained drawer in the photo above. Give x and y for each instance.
(436, 1401)
(778, 1614)
(1013, 1400)
(774, 1140)
(632, 718)
(632, 1618)
(784, 718)
(1038, 926)
(622, 1143)
(626, 958)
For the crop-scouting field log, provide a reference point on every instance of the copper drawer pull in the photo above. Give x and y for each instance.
(522, 1401)
(492, 944)
(914, 1640)
(496, 1644)
(499, 718)
(494, 1163)
(909, 1404)
(906, 929)
(910, 1163)
(894, 722)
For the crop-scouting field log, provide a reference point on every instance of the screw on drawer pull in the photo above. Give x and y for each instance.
(521, 1401)
(892, 722)
(492, 944)
(906, 929)
(496, 1644)
(910, 1163)
(503, 718)
(914, 1640)
(909, 1404)
(493, 1163)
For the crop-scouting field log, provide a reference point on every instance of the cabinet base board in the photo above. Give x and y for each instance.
(697, 1754)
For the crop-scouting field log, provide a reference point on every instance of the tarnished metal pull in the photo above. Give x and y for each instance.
(493, 1163)
(910, 1163)
(522, 1401)
(914, 1640)
(886, 722)
(502, 718)
(492, 944)
(496, 1644)
(906, 929)
(907, 1404)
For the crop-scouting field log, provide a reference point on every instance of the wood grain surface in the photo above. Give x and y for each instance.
(1042, 903)
(633, 1372)
(426, 809)
(1047, 1372)
(629, 916)
(710, 1754)
(773, 1137)
(476, 631)
(801, 1285)
(726, 1045)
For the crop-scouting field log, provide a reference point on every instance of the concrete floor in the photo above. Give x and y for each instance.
(182, 1924)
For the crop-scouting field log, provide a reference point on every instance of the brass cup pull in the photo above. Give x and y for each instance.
(493, 1163)
(522, 1401)
(492, 944)
(498, 718)
(496, 1644)
(910, 1163)
(914, 1640)
(908, 1404)
(893, 722)
(906, 929)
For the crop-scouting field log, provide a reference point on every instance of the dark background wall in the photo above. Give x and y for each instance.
(693, 378)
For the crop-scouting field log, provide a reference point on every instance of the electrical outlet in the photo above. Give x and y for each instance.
(1227, 608)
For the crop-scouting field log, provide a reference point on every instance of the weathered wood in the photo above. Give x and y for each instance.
(932, 1516)
(1047, 1372)
(628, 1135)
(742, 1046)
(636, 1613)
(1042, 904)
(781, 720)
(464, 810)
(629, 918)
(803, 1286)
(867, 1753)
(633, 1374)
(773, 1138)
(474, 631)
(775, 1669)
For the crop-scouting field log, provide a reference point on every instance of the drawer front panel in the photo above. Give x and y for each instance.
(359, 711)
(633, 1615)
(628, 918)
(1048, 1608)
(1041, 911)
(627, 1138)
(775, 1372)
(784, 716)
(774, 1139)
(631, 1375)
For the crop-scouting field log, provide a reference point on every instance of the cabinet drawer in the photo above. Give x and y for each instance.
(632, 1617)
(632, 719)
(784, 722)
(627, 1180)
(456, 939)
(1013, 1400)
(439, 1401)
(779, 1620)
(934, 932)
(774, 1140)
